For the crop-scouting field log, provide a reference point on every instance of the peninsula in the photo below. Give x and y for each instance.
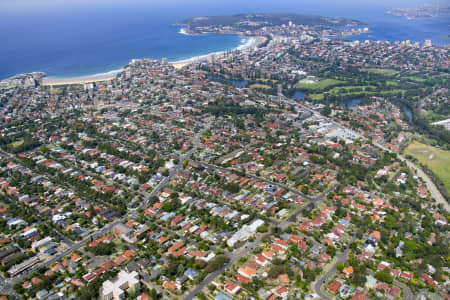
(421, 11)
(243, 22)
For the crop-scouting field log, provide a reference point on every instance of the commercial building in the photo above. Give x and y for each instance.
(244, 233)
(125, 282)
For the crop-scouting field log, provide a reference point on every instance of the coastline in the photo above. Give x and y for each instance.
(81, 79)
(55, 81)
(250, 43)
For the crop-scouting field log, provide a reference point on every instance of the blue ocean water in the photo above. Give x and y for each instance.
(82, 37)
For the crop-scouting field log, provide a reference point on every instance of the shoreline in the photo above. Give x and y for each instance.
(81, 79)
(55, 81)
(250, 42)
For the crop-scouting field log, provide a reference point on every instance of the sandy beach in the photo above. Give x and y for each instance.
(52, 81)
(81, 79)
(250, 43)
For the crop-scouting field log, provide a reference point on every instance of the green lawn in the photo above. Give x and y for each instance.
(347, 89)
(335, 91)
(17, 143)
(316, 97)
(391, 92)
(318, 85)
(416, 79)
(391, 82)
(387, 72)
(436, 159)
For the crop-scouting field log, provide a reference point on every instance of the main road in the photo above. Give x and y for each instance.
(435, 193)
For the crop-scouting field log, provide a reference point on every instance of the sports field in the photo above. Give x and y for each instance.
(313, 85)
(436, 159)
(387, 72)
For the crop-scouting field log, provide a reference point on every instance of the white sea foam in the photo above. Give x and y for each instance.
(245, 44)
(183, 31)
(81, 79)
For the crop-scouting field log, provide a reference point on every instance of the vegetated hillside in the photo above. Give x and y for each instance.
(260, 20)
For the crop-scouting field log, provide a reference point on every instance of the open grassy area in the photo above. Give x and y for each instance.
(436, 159)
(391, 82)
(349, 89)
(336, 91)
(17, 143)
(318, 85)
(416, 78)
(387, 72)
(316, 97)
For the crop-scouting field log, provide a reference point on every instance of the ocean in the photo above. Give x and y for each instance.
(84, 37)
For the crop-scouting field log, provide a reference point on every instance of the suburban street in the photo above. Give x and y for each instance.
(248, 247)
(435, 193)
(234, 258)
(208, 152)
(260, 179)
(78, 245)
(341, 259)
(6, 284)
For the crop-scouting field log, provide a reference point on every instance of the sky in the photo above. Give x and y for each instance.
(30, 6)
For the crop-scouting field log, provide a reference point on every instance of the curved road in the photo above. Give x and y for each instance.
(342, 258)
(318, 285)
(435, 193)
(234, 258)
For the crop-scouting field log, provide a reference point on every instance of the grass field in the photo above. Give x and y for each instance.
(17, 143)
(335, 91)
(316, 97)
(346, 89)
(391, 82)
(416, 79)
(387, 72)
(436, 159)
(318, 85)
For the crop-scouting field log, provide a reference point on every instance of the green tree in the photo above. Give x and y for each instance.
(384, 276)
